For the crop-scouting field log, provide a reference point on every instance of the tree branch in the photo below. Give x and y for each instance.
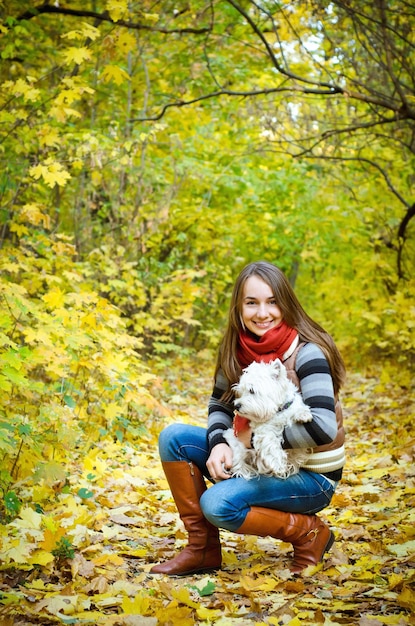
(354, 13)
(228, 92)
(380, 169)
(410, 213)
(410, 209)
(105, 17)
(260, 34)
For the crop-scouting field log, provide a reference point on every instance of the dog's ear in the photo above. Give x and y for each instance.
(276, 366)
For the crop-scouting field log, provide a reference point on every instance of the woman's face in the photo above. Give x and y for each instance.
(260, 312)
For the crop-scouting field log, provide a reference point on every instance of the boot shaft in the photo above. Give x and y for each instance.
(203, 551)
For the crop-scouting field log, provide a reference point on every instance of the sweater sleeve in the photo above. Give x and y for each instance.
(316, 387)
(220, 414)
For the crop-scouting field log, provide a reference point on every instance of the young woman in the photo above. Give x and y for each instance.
(266, 321)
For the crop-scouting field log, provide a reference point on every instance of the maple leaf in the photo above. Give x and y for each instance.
(19, 229)
(34, 215)
(204, 587)
(152, 18)
(16, 551)
(52, 172)
(407, 598)
(139, 605)
(403, 549)
(55, 298)
(115, 73)
(95, 465)
(77, 55)
(117, 9)
(29, 519)
(86, 32)
(40, 557)
(126, 42)
(49, 472)
(51, 538)
(21, 87)
(59, 604)
(50, 137)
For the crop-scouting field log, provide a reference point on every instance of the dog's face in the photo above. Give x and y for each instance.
(261, 390)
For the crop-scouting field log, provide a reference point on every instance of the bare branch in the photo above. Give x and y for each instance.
(373, 164)
(355, 13)
(227, 92)
(260, 34)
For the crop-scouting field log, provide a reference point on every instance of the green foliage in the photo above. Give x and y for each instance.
(12, 504)
(64, 549)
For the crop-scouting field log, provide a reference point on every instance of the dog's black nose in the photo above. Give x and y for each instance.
(237, 405)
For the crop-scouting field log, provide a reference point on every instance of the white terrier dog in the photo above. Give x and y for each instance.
(270, 401)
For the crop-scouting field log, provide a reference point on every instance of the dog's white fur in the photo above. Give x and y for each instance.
(262, 395)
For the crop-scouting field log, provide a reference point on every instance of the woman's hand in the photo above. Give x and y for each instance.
(219, 462)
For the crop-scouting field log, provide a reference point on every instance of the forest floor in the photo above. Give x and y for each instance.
(83, 555)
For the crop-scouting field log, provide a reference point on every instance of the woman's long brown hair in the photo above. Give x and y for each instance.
(292, 313)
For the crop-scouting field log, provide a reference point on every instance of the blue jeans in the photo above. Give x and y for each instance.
(226, 504)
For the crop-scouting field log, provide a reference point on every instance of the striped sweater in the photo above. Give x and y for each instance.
(316, 386)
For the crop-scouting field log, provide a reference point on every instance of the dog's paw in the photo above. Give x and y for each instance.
(301, 412)
(304, 416)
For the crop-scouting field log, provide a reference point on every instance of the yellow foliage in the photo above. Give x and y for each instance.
(40, 557)
(87, 31)
(52, 172)
(34, 214)
(62, 113)
(28, 519)
(173, 614)
(93, 464)
(50, 539)
(55, 298)
(117, 9)
(19, 229)
(76, 55)
(23, 88)
(16, 551)
(108, 559)
(114, 73)
(59, 604)
(126, 42)
(49, 137)
(138, 606)
(407, 598)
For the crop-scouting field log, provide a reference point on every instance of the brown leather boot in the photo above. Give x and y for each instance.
(309, 536)
(203, 551)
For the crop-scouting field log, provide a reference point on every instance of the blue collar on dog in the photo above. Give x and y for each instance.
(286, 406)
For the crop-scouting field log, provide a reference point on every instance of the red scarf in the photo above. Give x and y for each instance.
(270, 346)
(240, 424)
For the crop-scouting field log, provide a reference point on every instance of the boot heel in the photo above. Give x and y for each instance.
(329, 545)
